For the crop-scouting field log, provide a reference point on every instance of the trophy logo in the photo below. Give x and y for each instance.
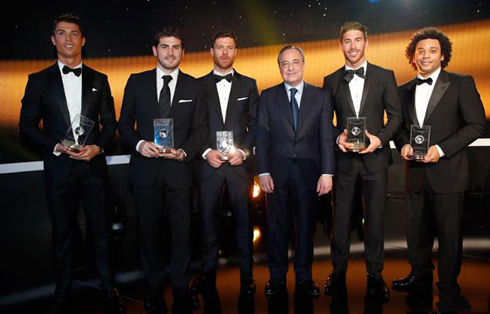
(164, 133)
(356, 131)
(79, 131)
(419, 139)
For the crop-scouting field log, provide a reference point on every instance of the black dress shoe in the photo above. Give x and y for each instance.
(114, 303)
(184, 302)
(377, 288)
(307, 287)
(155, 303)
(61, 306)
(411, 282)
(335, 282)
(247, 285)
(202, 282)
(274, 287)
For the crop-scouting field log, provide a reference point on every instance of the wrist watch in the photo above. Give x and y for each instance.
(101, 150)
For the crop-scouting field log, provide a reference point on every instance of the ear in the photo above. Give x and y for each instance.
(442, 57)
(83, 41)
(211, 51)
(367, 44)
(154, 49)
(53, 40)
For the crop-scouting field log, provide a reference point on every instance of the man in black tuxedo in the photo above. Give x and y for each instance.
(56, 95)
(450, 104)
(232, 105)
(361, 89)
(295, 162)
(163, 180)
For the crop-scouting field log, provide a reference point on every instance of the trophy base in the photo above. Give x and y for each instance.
(165, 150)
(416, 157)
(71, 146)
(225, 158)
(357, 148)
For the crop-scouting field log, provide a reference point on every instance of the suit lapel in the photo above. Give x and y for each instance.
(410, 102)
(440, 88)
(87, 83)
(365, 90)
(213, 96)
(57, 87)
(305, 109)
(345, 90)
(236, 88)
(282, 102)
(178, 92)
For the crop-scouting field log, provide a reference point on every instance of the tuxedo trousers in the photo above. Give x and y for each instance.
(373, 188)
(428, 213)
(153, 203)
(211, 194)
(293, 199)
(63, 204)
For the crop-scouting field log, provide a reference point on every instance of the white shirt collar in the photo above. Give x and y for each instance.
(300, 87)
(174, 74)
(232, 71)
(61, 65)
(433, 76)
(364, 65)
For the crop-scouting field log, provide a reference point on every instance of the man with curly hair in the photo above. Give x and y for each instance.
(450, 104)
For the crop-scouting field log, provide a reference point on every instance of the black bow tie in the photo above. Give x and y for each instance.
(227, 77)
(422, 81)
(76, 71)
(349, 74)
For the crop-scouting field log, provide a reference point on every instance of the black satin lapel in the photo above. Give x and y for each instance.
(410, 101)
(365, 91)
(345, 90)
(306, 106)
(283, 104)
(59, 91)
(236, 88)
(442, 84)
(212, 92)
(87, 85)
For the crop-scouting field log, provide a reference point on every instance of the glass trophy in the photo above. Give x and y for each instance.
(224, 143)
(419, 140)
(77, 134)
(356, 133)
(163, 131)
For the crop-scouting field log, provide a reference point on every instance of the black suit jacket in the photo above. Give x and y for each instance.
(278, 146)
(457, 118)
(240, 118)
(140, 106)
(45, 99)
(379, 95)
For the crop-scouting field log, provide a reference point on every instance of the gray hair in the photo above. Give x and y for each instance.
(289, 47)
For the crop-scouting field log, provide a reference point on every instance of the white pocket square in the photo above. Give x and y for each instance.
(243, 98)
(184, 100)
(94, 89)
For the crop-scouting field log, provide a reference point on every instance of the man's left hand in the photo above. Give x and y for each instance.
(432, 155)
(85, 153)
(236, 158)
(375, 143)
(175, 154)
(324, 185)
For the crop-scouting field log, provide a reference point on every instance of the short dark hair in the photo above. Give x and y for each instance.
(224, 34)
(169, 31)
(289, 47)
(430, 33)
(352, 26)
(69, 18)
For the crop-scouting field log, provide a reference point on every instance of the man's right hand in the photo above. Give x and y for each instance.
(214, 158)
(149, 149)
(342, 142)
(266, 183)
(406, 152)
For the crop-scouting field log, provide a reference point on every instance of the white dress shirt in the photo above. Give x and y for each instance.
(423, 92)
(356, 87)
(72, 85)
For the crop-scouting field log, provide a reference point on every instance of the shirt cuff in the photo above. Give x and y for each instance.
(244, 154)
(183, 152)
(205, 153)
(54, 150)
(327, 174)
(138, 145)
(264, 174)
(441, 153)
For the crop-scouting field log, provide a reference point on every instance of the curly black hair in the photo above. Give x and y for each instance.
(430, 33)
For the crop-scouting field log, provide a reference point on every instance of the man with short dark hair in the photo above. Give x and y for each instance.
(295, 163)
(361, 90)
(232, 105)
(450, 104)
(162, 176)
(57, 96)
